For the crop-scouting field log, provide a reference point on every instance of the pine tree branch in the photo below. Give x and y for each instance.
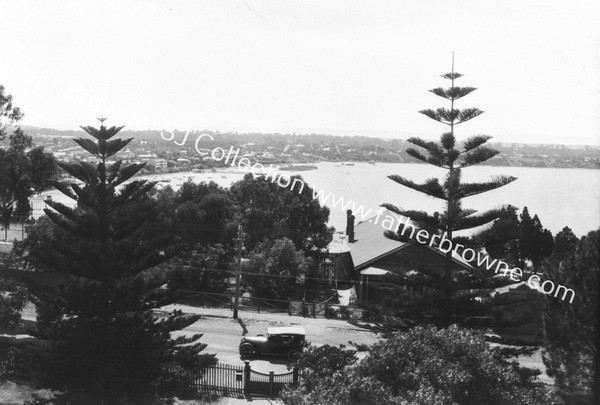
(478, 220)
(420, 218)
(475, 141)
(65, 189)
(432, 147)
(59, 208)
(452, 93)
(416, 154)
(127, 172)
(103, 133)
(467, 114)
(452, 75)
(471, 189)
(452, 116)
(478, 155)
(431, 186)
(83, 171)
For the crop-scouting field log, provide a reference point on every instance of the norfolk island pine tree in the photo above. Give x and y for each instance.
(104, 337)
(447, 155)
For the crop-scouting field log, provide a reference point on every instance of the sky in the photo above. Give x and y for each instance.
(339, 67)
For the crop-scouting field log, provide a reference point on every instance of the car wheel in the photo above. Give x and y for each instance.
(246, 350)
(293, 355)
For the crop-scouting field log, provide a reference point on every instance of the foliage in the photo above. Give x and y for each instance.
(269, 212)
(24, 169)
(105, 337)
(280, 270)
(514, 238)
(9, 113)
(565, 242)
(446, 154)
(570, 329)
(316, 363)
(13, 297)
(536, 242)
(200, 215)
(501, 239)
(206, 270)
(424, 366)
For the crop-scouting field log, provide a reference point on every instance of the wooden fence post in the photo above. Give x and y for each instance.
(295, 376)
(246, 378)
(289, 306)
(271, 379)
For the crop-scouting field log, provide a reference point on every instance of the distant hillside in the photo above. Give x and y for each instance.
(322, 147)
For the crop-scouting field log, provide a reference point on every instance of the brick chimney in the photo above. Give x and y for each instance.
(350, 226)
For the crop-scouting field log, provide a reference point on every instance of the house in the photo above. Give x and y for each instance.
(365, 251)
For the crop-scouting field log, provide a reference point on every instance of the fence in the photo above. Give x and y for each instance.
(268, 384)
(292, 307)
(224, 300)
(221, 379)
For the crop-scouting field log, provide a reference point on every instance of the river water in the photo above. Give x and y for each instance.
(560, 197)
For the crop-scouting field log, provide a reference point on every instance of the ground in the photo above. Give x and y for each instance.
(222, 334)
(14, 232)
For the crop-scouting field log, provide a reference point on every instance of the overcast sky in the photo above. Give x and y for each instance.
(341, 67)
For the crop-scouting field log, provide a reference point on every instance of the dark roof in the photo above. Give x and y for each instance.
(371, 244)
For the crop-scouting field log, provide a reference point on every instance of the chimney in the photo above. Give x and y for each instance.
(350, 226)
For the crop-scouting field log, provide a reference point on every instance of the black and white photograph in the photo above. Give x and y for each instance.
(299, 202)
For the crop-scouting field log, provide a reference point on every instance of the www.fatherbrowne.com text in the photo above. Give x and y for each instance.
(389, 222)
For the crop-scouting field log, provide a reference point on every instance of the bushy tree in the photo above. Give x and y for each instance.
(514, 239)
(9, 113)
(24, 169)
(571, 330)
(277, 270)
(269, 212)
(105, 337)
(565, 243)
(426, 366)
(201, 215)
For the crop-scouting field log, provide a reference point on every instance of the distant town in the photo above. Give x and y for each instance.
(286, 149)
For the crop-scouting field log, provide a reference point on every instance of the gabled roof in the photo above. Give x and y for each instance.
(371, 244)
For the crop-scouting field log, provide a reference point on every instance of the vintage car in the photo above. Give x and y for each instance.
(281, 341)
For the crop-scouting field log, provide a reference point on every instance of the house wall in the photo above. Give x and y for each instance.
(341, 267)
(413, 257)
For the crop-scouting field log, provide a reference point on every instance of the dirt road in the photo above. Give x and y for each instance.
(222, 334)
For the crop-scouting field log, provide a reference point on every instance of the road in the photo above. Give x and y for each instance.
(222, 334)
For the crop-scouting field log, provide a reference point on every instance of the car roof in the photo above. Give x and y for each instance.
(286, 330)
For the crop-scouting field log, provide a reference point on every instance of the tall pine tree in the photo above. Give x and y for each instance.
(535, 241)
(105, 337)
(447, 155)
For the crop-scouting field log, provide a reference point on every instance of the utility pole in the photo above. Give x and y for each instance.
(238, 273)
